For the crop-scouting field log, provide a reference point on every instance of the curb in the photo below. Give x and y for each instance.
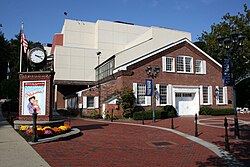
(75, 132)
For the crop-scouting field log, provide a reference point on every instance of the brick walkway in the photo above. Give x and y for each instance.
(238, 148)
(104, 144)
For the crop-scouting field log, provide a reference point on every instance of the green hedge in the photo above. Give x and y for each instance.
(224, 111)
(159, 114)
(205, 110)
(166, 112)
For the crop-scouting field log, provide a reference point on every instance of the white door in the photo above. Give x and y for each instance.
(185, 103)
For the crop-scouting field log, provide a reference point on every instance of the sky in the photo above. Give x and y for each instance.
(43, 18)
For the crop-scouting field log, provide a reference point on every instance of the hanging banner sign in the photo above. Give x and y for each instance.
(227, 71)
(34, 97)
(149, 87)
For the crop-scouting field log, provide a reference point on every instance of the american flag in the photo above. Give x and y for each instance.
(24, 42)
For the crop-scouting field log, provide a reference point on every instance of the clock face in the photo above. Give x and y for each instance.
(37, 56)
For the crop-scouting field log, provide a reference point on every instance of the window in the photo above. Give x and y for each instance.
(184, 64)
(206, 95)
(90, 101)
(177, 94)
(141, 91)
(180, 64)
(105, 70)
(186, 94)
(72, 103)
(200, 67)
(188, 63)
(170, 64)
(163, 94)
(140, 94)
(221, 95)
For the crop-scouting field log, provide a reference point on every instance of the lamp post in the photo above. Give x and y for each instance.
(230, 44)
(98, 78)
(152, 74)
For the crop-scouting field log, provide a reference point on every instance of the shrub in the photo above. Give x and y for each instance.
(224, 111)
(170, 110)
(205, 110)
(95, 115)
(127, 113)
(159, 114)
(127, 101)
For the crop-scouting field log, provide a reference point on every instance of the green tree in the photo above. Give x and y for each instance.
(10, 53)
(4, 48)
(241, 55)
(240, 22)
(127, 100)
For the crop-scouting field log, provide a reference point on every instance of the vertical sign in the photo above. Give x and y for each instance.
(227, 73)
(34, 97)
(149, 86)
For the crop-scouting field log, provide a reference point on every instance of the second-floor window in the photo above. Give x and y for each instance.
(184, 64)
(170, 64)
(105, 70)
(200, 67)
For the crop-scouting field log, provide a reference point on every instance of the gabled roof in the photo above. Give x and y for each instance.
(143, 57)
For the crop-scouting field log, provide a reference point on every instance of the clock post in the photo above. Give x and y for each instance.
(35, 93)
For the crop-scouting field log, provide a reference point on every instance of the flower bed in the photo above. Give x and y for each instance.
(42, 132)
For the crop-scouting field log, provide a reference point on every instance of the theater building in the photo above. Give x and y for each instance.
(93, 61)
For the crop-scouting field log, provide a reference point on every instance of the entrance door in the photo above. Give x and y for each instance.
(185, 103)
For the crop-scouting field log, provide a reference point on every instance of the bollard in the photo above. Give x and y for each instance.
(227, 147)
(236, 128)
(142, 117)
(196, 125)
(112, 115)
(172, 122)
(34, 125)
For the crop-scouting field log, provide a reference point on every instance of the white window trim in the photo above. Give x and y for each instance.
(169, 95)
(184, 65)
(66, 103)
(164, 64)
(225, 98)
(85, 101)
(147, 98)
(158, 96)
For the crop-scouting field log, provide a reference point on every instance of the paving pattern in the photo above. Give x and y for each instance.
(104, 144)
(215, 135)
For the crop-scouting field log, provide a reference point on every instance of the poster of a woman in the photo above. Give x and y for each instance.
(34, 97)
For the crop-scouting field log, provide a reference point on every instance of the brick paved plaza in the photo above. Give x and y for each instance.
(108, 144)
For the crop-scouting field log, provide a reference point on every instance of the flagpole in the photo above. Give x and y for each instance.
(21, 49)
